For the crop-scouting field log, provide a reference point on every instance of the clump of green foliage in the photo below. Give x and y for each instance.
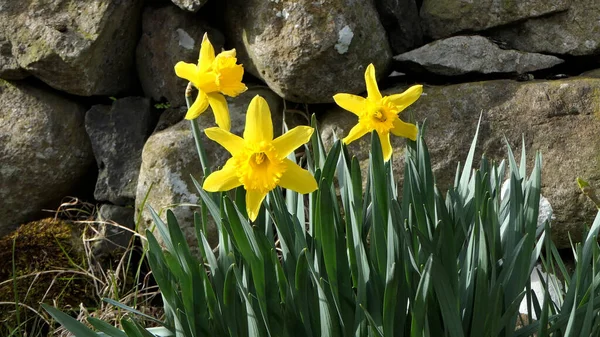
(377, 261)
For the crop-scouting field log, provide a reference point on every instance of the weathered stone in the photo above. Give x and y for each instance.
(113, 234)
(558, 118)
(307, 51)
(574, 32)
(190, 5)
(592, 73)
(118, 133)
(44, 152)
(170, 157)
(79, 47)
(442, 18)
(401, 21)
(169, 35)
(473, 54)
(9, 68)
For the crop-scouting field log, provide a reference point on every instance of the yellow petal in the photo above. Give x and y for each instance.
(232, 143)
(356, 132)
(199, 106)
(259, 126)
(352, 103)
(406, 98)
(207, 54)
(297, 179)
(187, 71)
(228, 53)
(253, 200)
(403, 129)
(386, 146)
(291, 140)
(371, 80)
(219, 107)
(224, 179)
(230, 80)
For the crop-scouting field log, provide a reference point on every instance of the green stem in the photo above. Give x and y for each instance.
(197, 135)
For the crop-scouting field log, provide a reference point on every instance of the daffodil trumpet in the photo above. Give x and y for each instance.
(214, 77)
(259, 163)
(379, 113)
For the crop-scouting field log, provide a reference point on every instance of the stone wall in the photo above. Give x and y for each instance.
(87, 89)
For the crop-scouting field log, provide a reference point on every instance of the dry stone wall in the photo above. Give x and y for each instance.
(94, 79)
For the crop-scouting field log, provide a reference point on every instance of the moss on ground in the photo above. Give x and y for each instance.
(41, 249)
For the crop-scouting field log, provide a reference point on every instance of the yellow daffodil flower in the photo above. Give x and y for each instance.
(379, 113)
(213, 76)
(258, 161)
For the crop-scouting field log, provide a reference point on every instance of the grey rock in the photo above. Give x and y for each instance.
(557, 118)
(307, 51)
(592, 73)
(115, 226)
(169, 35)
(118, 133)
(79, 47)
(9, 68)
(190, 5)
(170, 158)
(44, 152)
(402, 23)
(460, 55)
(574, 32)
(170, 117)
(442, 18)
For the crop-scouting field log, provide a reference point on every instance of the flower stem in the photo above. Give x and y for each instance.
(197, 134)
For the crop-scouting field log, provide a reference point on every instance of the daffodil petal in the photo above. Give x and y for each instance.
(230, 81)
(403, 129)
(187, 71)
(297, 179)
(259, 126)
(291, 140)
(386, 146)
(371, 81)
(207, 54)
(232, 143)
(220, 110)
(352, 103)
(406, 98)
(253, 200)
(356, 132)
(199, 106)
(224, 179)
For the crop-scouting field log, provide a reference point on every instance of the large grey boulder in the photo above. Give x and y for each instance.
(9, 68)
(170, 158)
(44, 152)
(442, 18)
(117, 134)
(460, 55)
(402, 23)
(574, 32)
(307, 51)
(557, 118)
(190, 5)
(81, 47)
(169, 35)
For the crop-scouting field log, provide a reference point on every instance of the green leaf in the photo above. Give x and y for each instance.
(69, 322)
(105, 328)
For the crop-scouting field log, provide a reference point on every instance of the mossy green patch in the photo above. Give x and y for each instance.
(44, 254)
